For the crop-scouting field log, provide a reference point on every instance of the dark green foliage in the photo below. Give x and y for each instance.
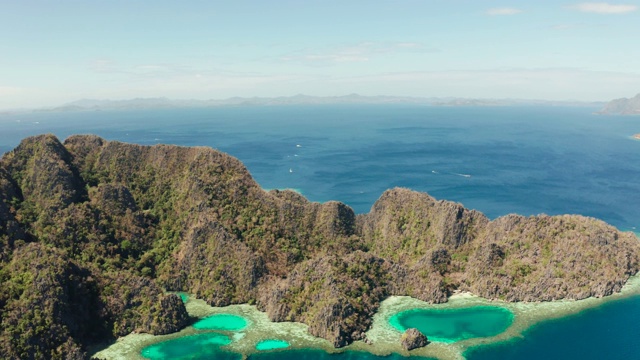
(64, 258)
(45, 299)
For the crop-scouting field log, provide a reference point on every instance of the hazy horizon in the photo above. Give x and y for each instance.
(58, 52)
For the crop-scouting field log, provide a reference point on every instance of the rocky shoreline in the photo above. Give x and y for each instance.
(382, 339)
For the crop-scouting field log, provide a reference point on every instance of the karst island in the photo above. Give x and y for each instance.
(179, 249)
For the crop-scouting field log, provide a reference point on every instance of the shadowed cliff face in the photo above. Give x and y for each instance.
(125, 221)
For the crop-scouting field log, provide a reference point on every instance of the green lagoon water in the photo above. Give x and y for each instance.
(451, 325)
(272, 345)
(184, 297)
(200, 346)
(222, 322)
(307, 354)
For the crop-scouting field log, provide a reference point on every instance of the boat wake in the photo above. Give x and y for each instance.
(463, 175)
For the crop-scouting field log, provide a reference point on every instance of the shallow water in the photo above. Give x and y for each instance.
(307, 354)
(184, 297)
(451, 325)
(221, 322)
(200, 346)
(272, 345)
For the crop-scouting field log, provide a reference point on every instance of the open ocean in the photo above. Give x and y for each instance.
(499, 160)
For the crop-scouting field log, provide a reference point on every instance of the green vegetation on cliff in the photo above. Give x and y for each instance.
(92, 232)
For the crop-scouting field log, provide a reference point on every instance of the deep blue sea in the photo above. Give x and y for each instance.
(498, 160)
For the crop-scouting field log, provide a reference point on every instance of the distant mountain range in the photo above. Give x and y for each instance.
(622, 106)
(163, 103)
(88, 104)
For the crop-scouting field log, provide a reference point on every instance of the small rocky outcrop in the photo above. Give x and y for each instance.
(413, 339)
(169, 315)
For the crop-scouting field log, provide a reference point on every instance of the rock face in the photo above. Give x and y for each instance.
(107, 227)
(413, 339)
(623, 106)
(336, 295)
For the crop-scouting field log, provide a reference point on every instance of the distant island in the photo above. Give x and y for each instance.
(300, 99)
(94, 232)
(622, 106)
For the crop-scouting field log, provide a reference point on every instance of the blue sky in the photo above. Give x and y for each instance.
(52, 52)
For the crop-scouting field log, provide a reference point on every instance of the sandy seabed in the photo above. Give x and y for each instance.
(385, 338)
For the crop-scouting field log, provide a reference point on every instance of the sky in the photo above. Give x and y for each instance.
(54, 52)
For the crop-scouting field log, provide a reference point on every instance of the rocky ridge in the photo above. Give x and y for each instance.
(123, 222)
(622, 106)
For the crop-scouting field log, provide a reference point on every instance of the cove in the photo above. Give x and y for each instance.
(272, 345)
(308, 354)
(222, 322)
(200, 346)
(451, 325)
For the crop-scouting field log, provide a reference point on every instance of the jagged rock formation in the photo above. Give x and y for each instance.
(412, 339)
(336, 295)
(512, 258)
(108, 225)
(623, 106)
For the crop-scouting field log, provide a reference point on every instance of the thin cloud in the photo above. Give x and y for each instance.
(574, 26)
(152, 68)
(111, 67)
(503, 11)
(528, 83)
(361, 52)
(103, 66)
(605, 8)
(10, 90)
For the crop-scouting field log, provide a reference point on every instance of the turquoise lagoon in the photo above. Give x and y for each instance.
(200, 346)
(310, 354)
(461, 329)
(226, 322)
(451, 325)
(272, 344)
